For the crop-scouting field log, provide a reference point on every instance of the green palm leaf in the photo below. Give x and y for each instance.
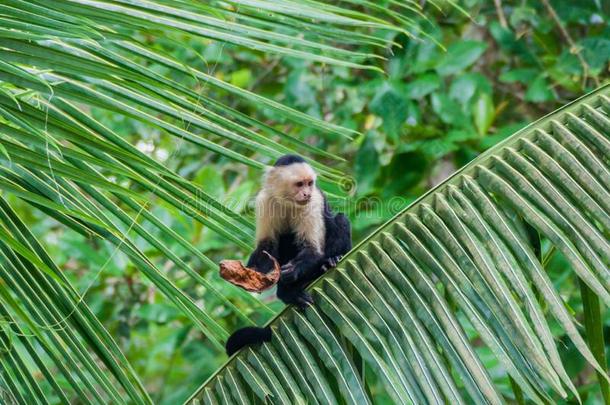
(58, 59)
(388, 311)
(464, 244)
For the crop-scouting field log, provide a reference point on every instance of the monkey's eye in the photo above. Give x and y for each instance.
(310, 183)
(299, 184)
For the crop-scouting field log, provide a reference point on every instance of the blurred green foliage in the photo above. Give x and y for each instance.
(432, 112)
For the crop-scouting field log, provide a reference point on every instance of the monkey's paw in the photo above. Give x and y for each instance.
(288, 273)
(331, 262)
(303, 300)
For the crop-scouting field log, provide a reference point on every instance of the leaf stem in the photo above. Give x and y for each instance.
(595, 334)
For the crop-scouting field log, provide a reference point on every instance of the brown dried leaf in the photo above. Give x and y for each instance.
(249, 279)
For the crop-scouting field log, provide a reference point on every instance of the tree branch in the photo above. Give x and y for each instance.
(573, 48)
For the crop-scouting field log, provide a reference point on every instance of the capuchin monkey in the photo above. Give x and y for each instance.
(295, 225)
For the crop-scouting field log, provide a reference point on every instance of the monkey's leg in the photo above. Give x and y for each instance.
(294, 295)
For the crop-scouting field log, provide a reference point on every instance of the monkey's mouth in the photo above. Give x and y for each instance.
(302, 202)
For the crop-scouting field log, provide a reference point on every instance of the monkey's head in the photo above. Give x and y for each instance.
(292, 180)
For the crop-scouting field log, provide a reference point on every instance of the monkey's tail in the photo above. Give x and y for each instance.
(249, 335)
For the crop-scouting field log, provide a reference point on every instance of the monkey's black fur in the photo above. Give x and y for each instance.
(307, 264)
(247, 336)
(288, 160)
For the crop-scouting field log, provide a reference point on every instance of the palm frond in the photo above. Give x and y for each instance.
(464, 245)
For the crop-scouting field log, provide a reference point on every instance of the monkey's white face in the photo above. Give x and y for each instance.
(302, 190)
(294, 183)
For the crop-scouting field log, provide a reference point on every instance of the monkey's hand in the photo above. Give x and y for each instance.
(331, 262)
(288, 273)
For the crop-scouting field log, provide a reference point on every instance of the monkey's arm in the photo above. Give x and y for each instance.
(338, 241)
(303, 268)
(260, 261)
(338, 236)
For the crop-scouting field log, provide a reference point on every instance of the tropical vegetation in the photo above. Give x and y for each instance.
(132, 137)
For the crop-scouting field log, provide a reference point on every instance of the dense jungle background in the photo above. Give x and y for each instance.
(506, 64)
